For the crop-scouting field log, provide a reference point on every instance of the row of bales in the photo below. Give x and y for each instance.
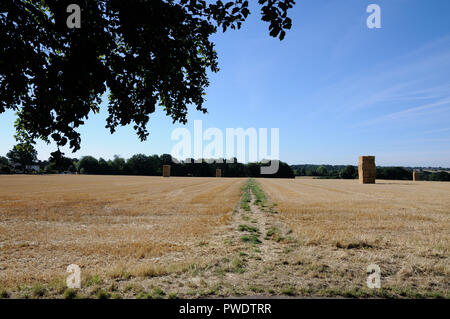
(367, 170)
(223, 168)
(166, 171)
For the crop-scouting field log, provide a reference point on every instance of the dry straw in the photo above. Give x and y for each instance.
(366, 169)
(218, 172)
(166, 170)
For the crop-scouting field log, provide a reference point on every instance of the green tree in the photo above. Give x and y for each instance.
(4, 161)
(253, 169)
(117, 165)
(322, 171)
(23, 155)
(440, 176)
(394, 173)
(4, 165)
(103, 167)
(144, 53)
(58, 164)
(88, 165)
(141, 164)
(284, 171)
(349, 172)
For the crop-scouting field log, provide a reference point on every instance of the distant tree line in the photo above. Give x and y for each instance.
(326, 171)
(351, 172)
(21, 160)
(141, 164)
(435, 176)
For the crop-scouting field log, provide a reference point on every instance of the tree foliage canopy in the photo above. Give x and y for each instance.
(143, 52)
(23, 155)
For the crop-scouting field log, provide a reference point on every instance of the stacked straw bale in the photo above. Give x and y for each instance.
(366, 169)
(166, 170)
(218, 172)
(416, 176)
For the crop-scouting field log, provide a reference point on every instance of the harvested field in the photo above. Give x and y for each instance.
(155, 237)
(104, 222)
(342, 227)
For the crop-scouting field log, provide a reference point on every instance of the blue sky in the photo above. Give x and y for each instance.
(333, 87)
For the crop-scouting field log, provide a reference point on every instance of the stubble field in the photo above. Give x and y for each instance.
(104, 222)
(153, 237)
(342, 227)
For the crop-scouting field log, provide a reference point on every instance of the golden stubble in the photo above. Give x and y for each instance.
(402, 226)
(99, 222)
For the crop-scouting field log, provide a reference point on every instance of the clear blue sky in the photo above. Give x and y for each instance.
(333, 87)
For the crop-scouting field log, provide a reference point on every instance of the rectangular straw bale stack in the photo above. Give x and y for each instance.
(366, 169)
(218, 172)
(166, 170)
(416, 176)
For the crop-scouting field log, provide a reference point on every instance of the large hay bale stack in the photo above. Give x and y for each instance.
(366, 169)
(166, 170)
(416, 176)
(218, 172)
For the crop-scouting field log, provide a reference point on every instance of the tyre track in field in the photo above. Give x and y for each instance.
(263, 256)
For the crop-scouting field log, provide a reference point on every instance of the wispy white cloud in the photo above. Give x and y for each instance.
(437, 131)
(417, 111)
(410, 86)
